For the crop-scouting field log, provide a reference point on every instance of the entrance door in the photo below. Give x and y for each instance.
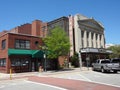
(35, 63)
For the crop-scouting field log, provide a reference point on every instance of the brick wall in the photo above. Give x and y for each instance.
(25, 29)
(36, 27)
(32, 39)
(3, 52)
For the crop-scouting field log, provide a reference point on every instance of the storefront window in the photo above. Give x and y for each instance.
(2, 62)
(15, 62)
(19, 62)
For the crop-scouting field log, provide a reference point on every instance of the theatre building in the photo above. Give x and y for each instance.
(87, 38)
(19, 48)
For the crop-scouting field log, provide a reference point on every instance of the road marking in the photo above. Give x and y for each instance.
(85, 78)
(2, 86)
(48, 85)
(106, 84)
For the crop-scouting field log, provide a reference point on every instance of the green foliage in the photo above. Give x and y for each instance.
(75, 60)
(57, 43)
(116, 51)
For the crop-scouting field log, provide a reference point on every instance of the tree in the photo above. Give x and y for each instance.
(115, 51)
(57, 43)
(75, 60)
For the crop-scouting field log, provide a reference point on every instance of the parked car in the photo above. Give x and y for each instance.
(106, 65)
(115, 60)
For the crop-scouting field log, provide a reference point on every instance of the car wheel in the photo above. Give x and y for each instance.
(115, 71)
(102, 70)
(93, 68)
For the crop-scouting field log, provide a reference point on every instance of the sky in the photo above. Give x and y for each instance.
(17, 12)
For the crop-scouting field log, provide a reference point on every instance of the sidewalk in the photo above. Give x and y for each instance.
(69, 70)
(7, 76)
(69, 84)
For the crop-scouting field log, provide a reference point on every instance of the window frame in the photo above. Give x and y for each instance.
(3, 45)
(3, 62)
(22, 44)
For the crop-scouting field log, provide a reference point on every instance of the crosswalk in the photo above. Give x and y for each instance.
(92, 76)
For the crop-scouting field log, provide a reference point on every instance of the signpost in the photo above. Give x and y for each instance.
(87, 60)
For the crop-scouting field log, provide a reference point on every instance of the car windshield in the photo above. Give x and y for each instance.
(116, 61)
(105, 61)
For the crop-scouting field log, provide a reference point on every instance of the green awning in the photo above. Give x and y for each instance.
(33, 53)
(37, 54)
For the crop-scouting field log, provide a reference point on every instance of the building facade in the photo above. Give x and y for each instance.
(62, 22)
(88, 33)
(19, 49)
(19, 53)
(86, 36)
(88, 39)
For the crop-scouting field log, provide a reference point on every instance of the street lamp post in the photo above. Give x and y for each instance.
(87, 58)
(45, 61)
(80, 61)
(44, 48)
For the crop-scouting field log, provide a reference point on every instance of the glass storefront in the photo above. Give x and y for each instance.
(20, 64)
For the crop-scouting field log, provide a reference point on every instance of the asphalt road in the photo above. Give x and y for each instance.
(112, 79)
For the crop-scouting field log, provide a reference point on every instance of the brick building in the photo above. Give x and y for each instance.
(19, 49)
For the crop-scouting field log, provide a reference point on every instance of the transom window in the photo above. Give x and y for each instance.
(22, 44)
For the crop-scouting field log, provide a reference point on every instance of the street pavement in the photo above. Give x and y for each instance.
(112, 79)
(71, 79)
(21, 84)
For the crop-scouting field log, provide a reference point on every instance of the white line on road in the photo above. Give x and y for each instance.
(48, 85)
(86, 79)
(106, 84)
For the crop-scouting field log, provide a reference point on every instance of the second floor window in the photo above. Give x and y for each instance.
(22, 44)
(3, 44)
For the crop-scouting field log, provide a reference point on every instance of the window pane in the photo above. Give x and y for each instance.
(17, 45)
(2, 62)
(24, 44)
(28, 44)
(3, 44)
